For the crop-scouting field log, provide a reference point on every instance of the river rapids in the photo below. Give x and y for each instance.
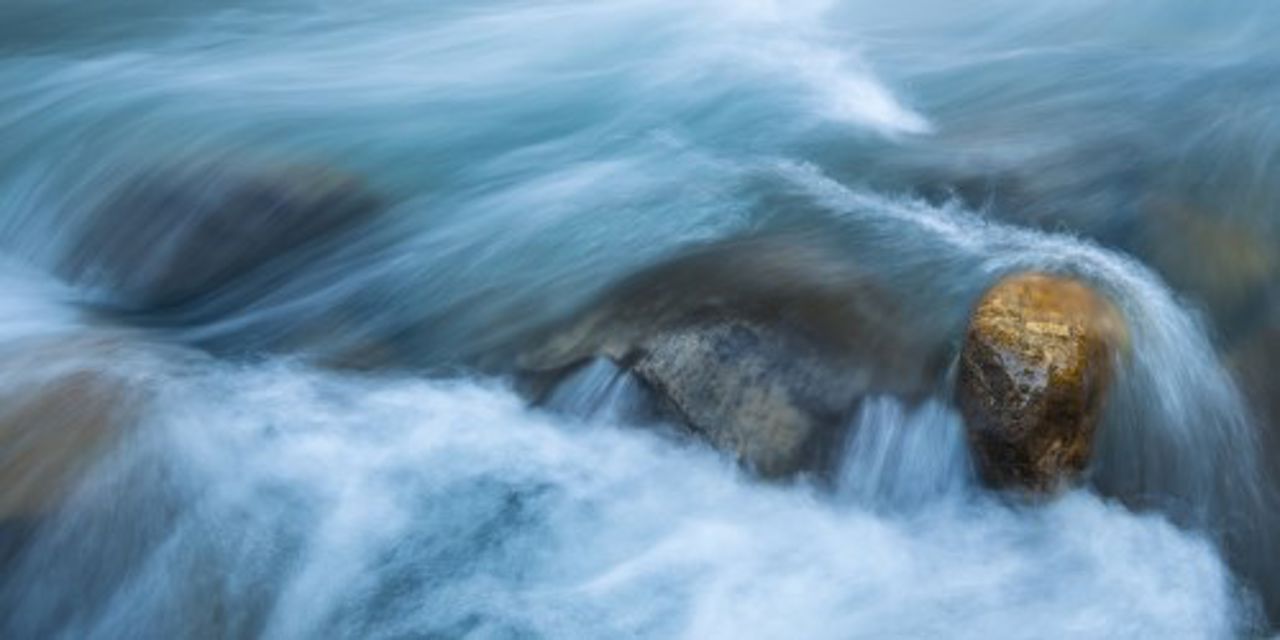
(339, 444)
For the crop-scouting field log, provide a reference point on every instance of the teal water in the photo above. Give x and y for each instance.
(533, 153)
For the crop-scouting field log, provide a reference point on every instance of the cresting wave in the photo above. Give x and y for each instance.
(1177, 404)
(1178, 435)
(529, 155)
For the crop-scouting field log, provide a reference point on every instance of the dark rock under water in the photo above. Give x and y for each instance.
(169, 236)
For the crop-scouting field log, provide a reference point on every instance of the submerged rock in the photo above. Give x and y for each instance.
(1252, 360)
(64, 402)
(1228, 263)
(763, 347)
(1035, 367)
(165, 237)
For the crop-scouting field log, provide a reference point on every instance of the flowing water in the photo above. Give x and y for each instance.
(532, 153)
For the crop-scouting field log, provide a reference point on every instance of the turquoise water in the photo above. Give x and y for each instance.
(531, 154)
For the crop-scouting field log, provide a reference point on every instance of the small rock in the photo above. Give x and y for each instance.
(1035, 367)
(168, 236)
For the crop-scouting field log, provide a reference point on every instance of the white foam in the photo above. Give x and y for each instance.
(359, 508)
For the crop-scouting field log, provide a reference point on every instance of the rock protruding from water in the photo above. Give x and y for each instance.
(762, 393)
(1037, 361)
(763, 347)
(168, 236)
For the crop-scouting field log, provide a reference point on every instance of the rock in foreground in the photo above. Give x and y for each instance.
(1038, 358)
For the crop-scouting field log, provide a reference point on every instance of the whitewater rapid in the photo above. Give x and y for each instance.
(278, 501)
(533, 153)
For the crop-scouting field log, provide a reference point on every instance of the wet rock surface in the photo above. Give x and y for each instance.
(763, 347)
(767, 395)
(1034, 371)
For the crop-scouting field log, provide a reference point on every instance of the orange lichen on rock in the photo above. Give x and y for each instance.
(1037, 361)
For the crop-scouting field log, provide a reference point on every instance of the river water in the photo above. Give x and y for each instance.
(531, 154)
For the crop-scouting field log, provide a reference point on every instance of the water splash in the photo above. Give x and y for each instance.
(1177, 434)
(282, 503)
(600, 391)
(904, 458)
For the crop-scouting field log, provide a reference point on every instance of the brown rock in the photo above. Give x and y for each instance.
(65, 401)
(1036, 364)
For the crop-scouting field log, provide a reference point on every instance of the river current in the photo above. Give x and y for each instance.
(532, 153)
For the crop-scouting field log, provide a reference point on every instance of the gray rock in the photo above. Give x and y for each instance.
(761, 392)
(763, 347)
